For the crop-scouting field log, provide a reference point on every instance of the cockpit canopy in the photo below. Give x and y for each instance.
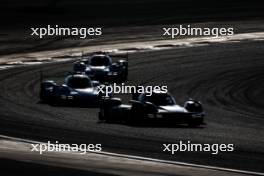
(100, 60)
(158, 99)
(78, 81)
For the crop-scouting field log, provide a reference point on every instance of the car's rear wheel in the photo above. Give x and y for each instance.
(137, 115)
(195, 123)
(101, 116)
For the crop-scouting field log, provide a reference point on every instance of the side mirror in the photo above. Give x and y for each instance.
(123, 63)
(64, 89)
(193, 106)
(95, 83)
(150, 107)
(69, 73)
(79, 67)
(134, 101)
(112, 102)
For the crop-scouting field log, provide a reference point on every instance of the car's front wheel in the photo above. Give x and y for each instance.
(195, 122)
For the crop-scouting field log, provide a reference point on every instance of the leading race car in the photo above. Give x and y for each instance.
(78, 89)
(101, 67)
(158, 106)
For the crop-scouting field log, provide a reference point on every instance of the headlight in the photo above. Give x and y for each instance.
(70, 97)
(50, 89)
(88, 71)
(196, 115)
(151, 115)
(73, 93)
(159, 115)
(64, 97)
(112, 73)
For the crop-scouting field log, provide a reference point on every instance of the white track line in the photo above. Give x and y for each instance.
(150, 159)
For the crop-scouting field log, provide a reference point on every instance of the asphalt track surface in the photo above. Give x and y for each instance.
(227, 77)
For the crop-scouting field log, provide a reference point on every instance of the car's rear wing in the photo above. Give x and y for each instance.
(111, 54)
(136, 94)
(40, 76)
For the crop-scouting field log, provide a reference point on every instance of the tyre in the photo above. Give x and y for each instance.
(195, 123)
(136, 116)
(47, 89)
(193, 106)
(101, 116)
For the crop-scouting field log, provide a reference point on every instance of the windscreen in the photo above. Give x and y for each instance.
(160, 99)
(100, 61)
(79, 83)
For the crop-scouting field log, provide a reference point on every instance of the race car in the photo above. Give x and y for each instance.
(78, 89)
(101, 67)
(158, 106)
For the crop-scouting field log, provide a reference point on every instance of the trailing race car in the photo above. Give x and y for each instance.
(78, 89)
(101, 67)
(158, 106)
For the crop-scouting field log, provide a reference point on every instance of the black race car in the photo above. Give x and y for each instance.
(78, 89)
(158, 106)
(101, 67)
